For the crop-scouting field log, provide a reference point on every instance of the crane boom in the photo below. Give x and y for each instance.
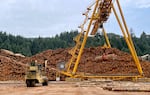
(95, 17)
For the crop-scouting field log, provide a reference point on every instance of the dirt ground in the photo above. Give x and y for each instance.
(60, 88)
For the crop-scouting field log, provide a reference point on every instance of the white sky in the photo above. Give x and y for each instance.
(45, 18)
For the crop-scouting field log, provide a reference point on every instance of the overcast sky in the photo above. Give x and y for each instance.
(46, 18)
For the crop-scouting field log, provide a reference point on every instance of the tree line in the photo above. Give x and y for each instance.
(31, 46)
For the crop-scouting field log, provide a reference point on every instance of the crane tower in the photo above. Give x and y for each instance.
(96, 16)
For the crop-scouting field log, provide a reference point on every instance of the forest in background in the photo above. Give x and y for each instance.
(32, 46)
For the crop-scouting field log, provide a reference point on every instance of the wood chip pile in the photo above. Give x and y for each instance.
(95, 61)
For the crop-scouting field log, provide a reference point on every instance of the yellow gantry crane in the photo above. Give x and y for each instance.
(95, 17)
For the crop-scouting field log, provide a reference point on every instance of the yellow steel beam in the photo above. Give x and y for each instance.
(61, 72)
(68, 65)
(124, 22)
(65, 73)
(73, 55)
(130, 39)
(84, 40)
(106, 38)
(106, 76)
(128, 42)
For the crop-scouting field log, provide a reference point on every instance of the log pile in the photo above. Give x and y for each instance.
(11, 69)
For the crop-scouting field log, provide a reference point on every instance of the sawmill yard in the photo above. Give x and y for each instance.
(13, 72)
(64, 65)
(118, 63)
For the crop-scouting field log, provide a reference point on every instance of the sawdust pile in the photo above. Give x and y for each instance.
(94, 61)
(11, 69)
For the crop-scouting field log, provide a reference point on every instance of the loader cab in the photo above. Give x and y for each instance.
(35, 74)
